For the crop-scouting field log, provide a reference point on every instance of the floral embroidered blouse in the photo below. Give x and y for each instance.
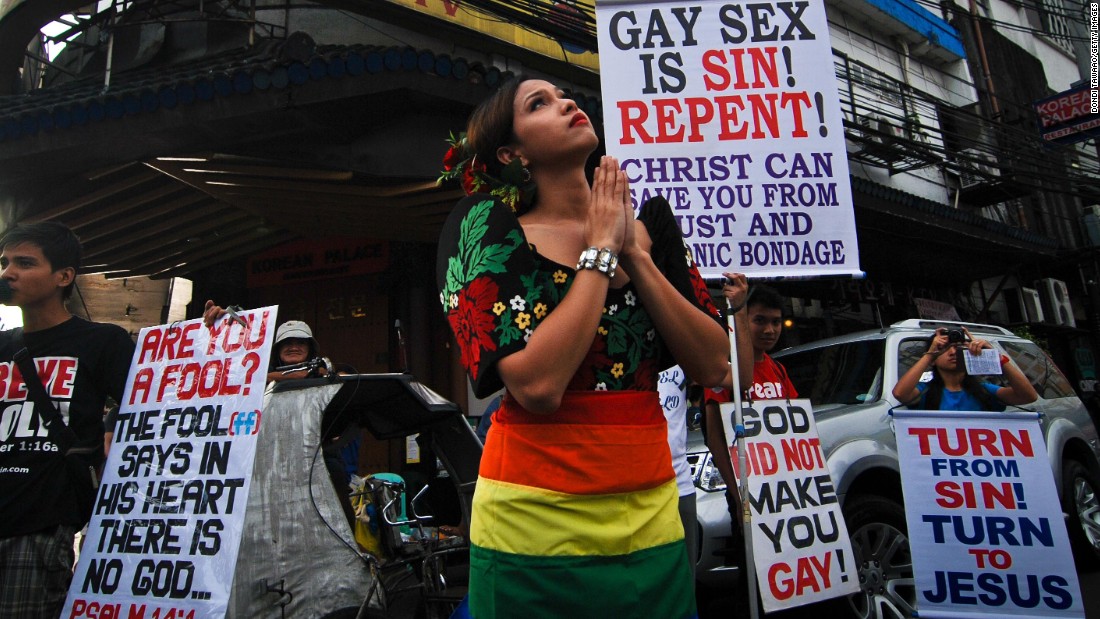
(496, 288)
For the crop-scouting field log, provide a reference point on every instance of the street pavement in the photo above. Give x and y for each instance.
(716, 606)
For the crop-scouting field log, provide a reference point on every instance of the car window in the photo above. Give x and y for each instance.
(1047, 379)
(909, 350)
(843, 374)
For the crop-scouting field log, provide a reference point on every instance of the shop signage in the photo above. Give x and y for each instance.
(1068, 116)
(455, 12)
(317, 259)
(935, 310)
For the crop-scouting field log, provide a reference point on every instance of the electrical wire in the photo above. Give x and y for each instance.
(1078, 17)
(1047, 176)
(366, 24)
(897, 87)
(861, 105)
(322, 437)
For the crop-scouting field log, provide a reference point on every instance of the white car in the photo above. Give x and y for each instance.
(848, 379)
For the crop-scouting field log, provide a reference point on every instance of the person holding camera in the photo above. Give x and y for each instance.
(951, 387)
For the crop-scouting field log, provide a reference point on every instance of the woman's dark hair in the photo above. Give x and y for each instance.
(490, 125)
(933, 395)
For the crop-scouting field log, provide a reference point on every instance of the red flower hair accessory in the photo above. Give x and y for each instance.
(514, 187)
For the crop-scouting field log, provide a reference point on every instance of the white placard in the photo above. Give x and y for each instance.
(985, 526)
(800, 542)
(731, 112)
(988, 363)
(163, 539)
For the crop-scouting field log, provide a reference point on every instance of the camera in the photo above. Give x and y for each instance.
(955, 336)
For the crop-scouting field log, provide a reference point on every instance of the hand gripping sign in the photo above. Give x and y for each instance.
(985, 525)
(799, 540)
(164, 534)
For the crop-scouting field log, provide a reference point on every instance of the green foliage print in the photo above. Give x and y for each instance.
(474, 258)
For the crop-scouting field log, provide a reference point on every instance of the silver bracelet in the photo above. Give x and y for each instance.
(603, 260)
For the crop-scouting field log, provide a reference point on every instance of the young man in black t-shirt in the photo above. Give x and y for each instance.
(79, 363)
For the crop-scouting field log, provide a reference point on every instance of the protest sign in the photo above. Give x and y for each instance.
(731, 112)
(985, 525)
(164, 534)
(799, 540)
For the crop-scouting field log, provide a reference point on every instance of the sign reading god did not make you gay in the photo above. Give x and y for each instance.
(800, 543)
(985, 525)
(730, 111)
(168, 517)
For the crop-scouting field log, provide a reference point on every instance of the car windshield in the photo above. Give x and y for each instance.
(849, 373)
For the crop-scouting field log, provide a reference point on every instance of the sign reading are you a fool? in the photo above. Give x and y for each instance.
(985, 525)
(800, 542)
(163, 539)
(730, 111)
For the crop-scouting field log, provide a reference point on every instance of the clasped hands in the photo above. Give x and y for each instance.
(610, 221)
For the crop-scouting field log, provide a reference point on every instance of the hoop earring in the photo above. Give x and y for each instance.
(526, 174)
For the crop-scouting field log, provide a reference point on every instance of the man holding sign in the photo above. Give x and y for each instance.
(46, 468)
(763, 311)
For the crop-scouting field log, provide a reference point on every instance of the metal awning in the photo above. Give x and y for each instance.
(170, 216)
(179, 169)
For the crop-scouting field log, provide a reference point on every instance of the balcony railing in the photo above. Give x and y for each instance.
(894, 126)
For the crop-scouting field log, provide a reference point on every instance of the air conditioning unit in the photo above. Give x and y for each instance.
(1023, 305)
(1057, 308)
(975, 167)
(880, 129)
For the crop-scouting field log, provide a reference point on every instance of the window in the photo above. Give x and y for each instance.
(1053, 18)
(877, 83)
(908, 352)
(1047, 379)
(842, 374)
